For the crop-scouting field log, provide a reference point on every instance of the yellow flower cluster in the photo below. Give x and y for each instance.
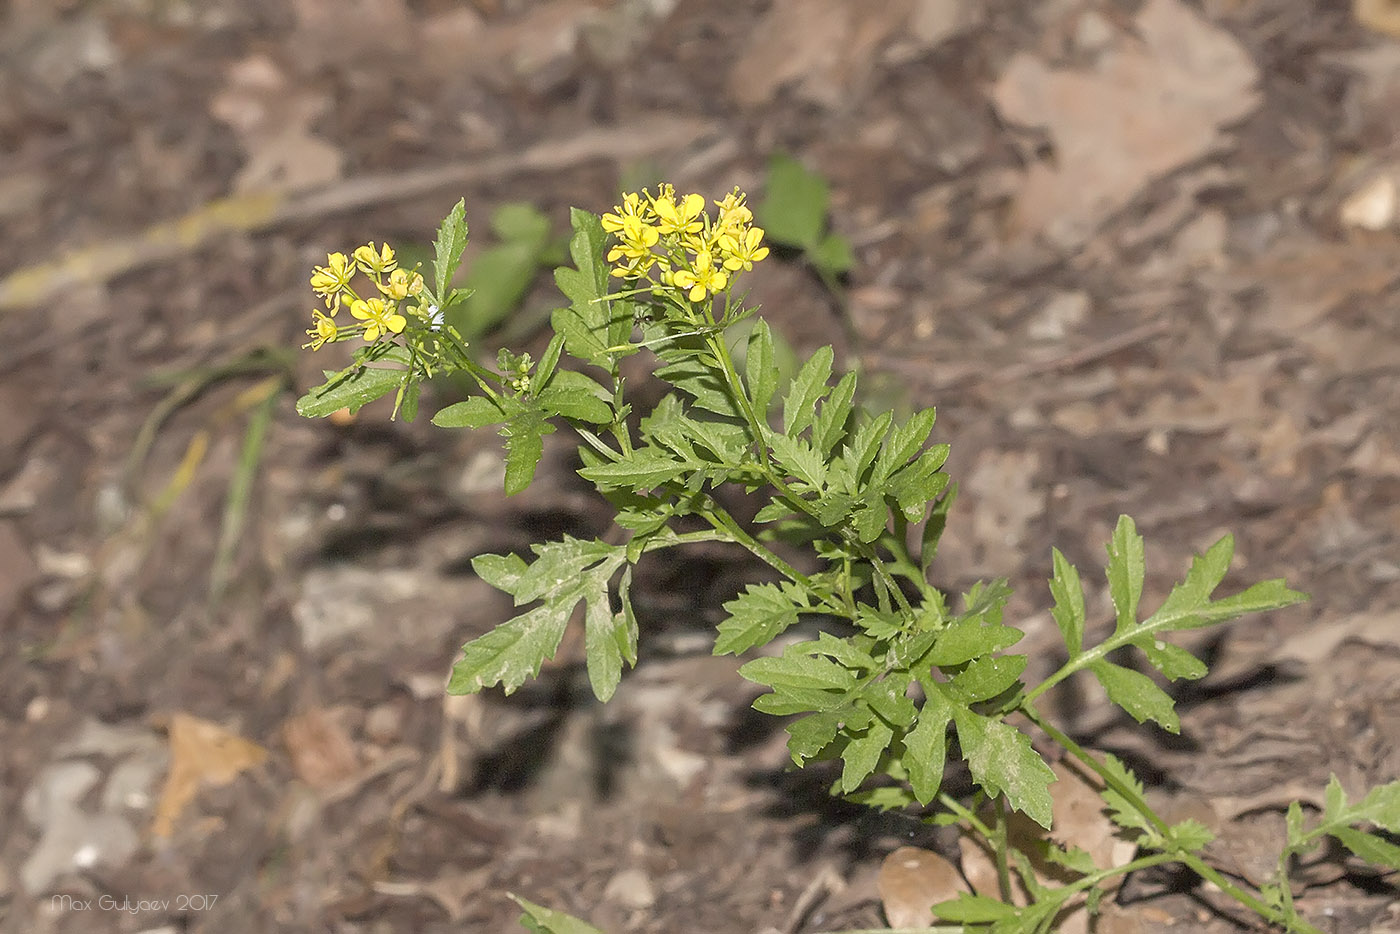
(375, 316)
(685, 248)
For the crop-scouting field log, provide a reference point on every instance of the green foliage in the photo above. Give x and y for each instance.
(913, 677)
(502, 274)
(794, 214)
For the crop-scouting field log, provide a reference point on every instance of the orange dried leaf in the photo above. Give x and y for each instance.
(201, 753)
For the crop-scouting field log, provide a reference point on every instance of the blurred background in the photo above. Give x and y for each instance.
(1142, 255)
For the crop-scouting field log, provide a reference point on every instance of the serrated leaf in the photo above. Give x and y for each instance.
(1206, 573)
(699, 380)
(904, 442)
(580, 339)
(1126, 567)
(511, 653)
(862, 446)
(801, 683)
(351, 388)
(934, 527)
(500, 571)
(1171, 660)
(559, 567)
(1068, 611)
(608, 638)
(447, 249)
(644, 469)
(1371, 848)
(575, 396)
(549, 360)
(829, 427)
(540, 920)
(1137, 694)
(793, 210)
(796, 457)
(524, 435)
(862, 754)
(808, 386)
(1381, 806)
(968, 639)
(760, 368)
(756, 617)
(986, 677)
(475, 412)
(1002, 760)
(811, 734)
(1293, 821)
(1190, 834)
(926, 748)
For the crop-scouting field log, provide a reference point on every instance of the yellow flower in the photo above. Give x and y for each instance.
(741, 248)
(329, 280)
(635, 241)
(682, 218)
(402, 284)
(702, 276)
(375, 262)
(378, 317)
(732, 210)
(632, 206)
(322, 330)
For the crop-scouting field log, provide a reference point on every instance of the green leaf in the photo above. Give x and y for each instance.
(559, 567)
(808, 736)
(1068, 611)
(524, 435)
(500, 571)
(580, 339)
(862, 754)
(796, 457)
(511, 653)
(1381, 806)
(447, 249)
(799, 407)
(475, 412)
(926, 747)
(1190, 834)
(1206, 573)
(1002, 760)
(830, 424)
(609, 638)
(351, 388)
(644, 469)
(1137, 694)
(540, 920)
(904, 442)
(968, 639)
(793, 212)
(1371, 848)
(756, 617)
(1126, 566)
(575, 396)
(833, 254)
(974, 909)
(801, 683)
(986, 677)
(760, 368)
(862, 446)
(1171, 660)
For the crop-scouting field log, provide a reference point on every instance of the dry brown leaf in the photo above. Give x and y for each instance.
(322, 753)
(911, 880)
(201, 753)
(824, 48)
(1319, 641)
(1382, 16)
(1151, 106)
(1079, 818)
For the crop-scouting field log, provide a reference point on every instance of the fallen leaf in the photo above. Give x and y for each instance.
(1153, 104)
(321, 752)
(201, 753)
(911, 880)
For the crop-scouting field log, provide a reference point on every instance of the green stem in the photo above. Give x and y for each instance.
(1174, 853)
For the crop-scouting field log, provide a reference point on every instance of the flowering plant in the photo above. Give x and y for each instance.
(915, 671)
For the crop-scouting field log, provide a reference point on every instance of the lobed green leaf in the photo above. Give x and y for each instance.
(807, 388)
(1126, 567)
(1002, 760)
(1137, 694)
(447, 249)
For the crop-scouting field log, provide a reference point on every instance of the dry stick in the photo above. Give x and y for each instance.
(918, 371)
(252, 213)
